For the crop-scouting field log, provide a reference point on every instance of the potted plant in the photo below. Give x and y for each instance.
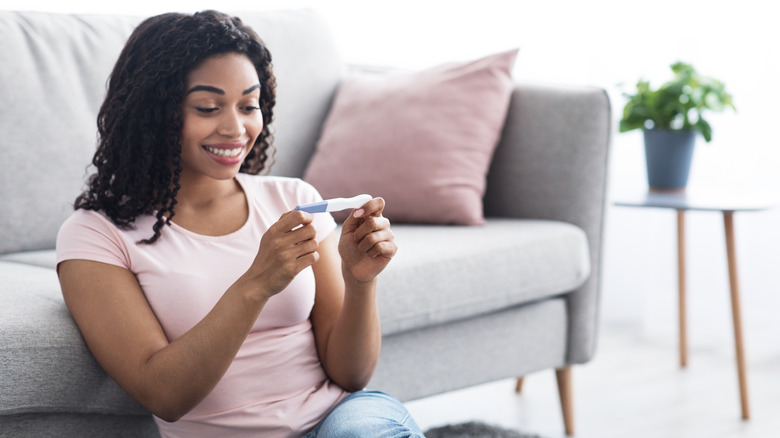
(670, 117)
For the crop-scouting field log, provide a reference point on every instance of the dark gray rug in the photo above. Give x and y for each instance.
(475, 429)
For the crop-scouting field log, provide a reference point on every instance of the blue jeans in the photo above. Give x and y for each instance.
(367, 414)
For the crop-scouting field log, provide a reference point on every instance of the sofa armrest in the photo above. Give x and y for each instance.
(551, 163)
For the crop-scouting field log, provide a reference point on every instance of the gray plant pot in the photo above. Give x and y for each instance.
(668, 155)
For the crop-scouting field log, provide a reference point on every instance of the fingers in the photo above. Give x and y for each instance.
(373, 207)
(367, 243)
(293, 219)
(307, 259)
(374, 237)
(288, 247)
(379, 244)
(370, 225)
(300, 236)
(296, 226)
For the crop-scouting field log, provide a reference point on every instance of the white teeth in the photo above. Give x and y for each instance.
(229, 153)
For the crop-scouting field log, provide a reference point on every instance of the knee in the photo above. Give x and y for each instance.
(370, 414)
(369, 427)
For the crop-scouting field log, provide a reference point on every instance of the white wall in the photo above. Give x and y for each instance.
(603, 43)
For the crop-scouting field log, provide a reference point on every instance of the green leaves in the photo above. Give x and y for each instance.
(678, 104)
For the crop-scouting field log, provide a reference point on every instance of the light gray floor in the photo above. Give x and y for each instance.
(633, 388)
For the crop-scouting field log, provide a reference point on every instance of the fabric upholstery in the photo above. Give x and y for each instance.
(47, 147)
(44, 352)
(543, 171)
(46, 258)
(513, 342)
(447, 273)
(78, 426)
(421, 140)
(308, 69)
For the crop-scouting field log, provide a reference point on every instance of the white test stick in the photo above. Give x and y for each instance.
(335, 204)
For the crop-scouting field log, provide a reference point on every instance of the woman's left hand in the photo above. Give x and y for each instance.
(367, 244)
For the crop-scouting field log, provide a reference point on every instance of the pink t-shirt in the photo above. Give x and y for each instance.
(276, 386)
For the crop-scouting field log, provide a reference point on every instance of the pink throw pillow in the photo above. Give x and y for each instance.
(423, 141)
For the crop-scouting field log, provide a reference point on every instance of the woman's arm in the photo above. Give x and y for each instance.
(345, 316)
(170, 378)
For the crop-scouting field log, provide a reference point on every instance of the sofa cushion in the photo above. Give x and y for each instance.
(79, 426)
(446, 273)
(308, 68)
(53, 81)
(45, 366)
(46, 258)
(421, 140)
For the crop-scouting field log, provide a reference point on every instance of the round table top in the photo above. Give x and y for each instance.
(709, 200)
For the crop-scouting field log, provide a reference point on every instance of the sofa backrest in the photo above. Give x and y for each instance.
(53, 72)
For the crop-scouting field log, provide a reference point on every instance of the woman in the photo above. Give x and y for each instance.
(197, 286)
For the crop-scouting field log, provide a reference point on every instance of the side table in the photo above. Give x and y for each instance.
(727, 203)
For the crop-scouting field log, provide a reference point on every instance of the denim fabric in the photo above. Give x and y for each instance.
(367, 414)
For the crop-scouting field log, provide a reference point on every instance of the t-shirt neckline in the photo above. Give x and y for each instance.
(250, 218)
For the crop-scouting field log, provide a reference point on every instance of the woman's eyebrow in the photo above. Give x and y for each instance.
(219, 91)
(250, 89)
(206, 88)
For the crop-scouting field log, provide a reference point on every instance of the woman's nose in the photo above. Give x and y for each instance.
(231, 125)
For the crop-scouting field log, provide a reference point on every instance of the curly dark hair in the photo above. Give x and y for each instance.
(138, 157)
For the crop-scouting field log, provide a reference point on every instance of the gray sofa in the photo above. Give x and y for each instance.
(460, 306)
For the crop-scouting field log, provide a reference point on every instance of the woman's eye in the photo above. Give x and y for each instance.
(206, 110)
(251, 108)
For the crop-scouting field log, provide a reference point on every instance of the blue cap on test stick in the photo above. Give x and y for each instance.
(316, 207)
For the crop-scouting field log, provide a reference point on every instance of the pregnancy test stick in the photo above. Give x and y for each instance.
(335, 204)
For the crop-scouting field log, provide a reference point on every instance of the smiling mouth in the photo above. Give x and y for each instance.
(222, 152)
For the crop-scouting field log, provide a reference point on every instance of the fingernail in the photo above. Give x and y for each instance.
(359, 212)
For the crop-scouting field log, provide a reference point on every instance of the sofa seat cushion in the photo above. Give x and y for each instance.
(45, 367)
(445, 273)
(46, 258)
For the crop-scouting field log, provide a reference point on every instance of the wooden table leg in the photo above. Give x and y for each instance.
(681, 288)
(728, 222)
(565, 388)
(519, 385)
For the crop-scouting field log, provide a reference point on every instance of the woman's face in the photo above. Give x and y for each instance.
(221, 117)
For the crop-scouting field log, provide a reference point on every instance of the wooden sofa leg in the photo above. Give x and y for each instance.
(563, 375)
(519, 385)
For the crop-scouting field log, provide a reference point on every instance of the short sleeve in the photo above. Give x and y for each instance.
(88, 235)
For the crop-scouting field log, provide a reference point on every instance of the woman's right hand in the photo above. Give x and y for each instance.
(287, 248)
